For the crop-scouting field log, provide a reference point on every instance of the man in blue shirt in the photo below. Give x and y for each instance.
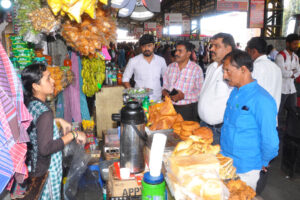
(249, 134)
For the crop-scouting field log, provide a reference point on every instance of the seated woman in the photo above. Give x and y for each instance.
(44, 151)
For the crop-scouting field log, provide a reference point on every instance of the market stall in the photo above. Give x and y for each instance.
(192, 167)
(71, 38)
(143, 149)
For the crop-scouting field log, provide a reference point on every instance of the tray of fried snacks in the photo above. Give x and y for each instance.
(239, 190)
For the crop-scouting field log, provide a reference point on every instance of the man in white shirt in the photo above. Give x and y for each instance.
(268, 75)
(147, 68)
(266, 72)
(288, 62)
(215, 90)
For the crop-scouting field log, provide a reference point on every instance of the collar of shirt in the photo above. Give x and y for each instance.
(289, 56)
(143, 57)
(262, 57)
(190, 64)
(246, 87)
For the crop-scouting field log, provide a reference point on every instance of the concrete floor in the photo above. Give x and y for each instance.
(278, 186)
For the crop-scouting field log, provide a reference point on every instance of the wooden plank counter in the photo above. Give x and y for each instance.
(108, 101)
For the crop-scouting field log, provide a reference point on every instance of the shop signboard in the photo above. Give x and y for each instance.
(256, 13)
(186, 26)
(138, 30)
(159, 31)
(173, 18)
(232, 5)
(150, 26)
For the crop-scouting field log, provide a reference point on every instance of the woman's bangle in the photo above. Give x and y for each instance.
(74, 137)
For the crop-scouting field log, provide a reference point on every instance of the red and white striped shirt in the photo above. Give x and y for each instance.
(189, 80)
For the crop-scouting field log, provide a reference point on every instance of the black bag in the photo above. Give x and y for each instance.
(34, 187)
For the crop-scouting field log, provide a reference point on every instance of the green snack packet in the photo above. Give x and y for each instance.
(22, 55)
(23, 58)
(24, 63)
(17, 37)
(24, 52)
(18, 42)
(19, 46)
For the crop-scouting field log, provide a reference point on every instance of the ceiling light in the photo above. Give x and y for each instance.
(141, 13)
(6, 4)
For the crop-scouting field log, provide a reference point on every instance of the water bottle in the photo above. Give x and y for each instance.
(119, 77)
(114, 76)
(110, 76)
(146, 104)
(106, 75)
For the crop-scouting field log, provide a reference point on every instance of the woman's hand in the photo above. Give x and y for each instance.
(66, 126)
(81, 137)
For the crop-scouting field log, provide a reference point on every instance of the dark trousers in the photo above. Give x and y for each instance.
(289, 103)
(290, 162)
(188, 112)
(262, 182)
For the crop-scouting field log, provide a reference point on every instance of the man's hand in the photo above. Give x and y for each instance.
(126, 85)
(178, 96)
(294, 72)
(165, 93)
(265, 169)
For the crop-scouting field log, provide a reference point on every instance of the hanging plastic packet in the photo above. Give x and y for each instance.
(41, 60)
(43, 20)
(32, 37)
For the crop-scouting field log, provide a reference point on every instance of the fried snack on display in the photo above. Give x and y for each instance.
(205, 133)
(190, 128)
(179, 118)
(162, 115)
(194, 145)
(185, 133)
(43, 20)
(167, 108)
(239, 190)
(189, 125)
(177, 126)
(89, 36)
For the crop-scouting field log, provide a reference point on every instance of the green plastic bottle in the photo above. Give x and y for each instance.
(146, 104)
(153, 188)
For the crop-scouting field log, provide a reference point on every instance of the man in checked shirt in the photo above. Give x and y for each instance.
(183, 82)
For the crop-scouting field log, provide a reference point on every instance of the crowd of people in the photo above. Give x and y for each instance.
(239, 96)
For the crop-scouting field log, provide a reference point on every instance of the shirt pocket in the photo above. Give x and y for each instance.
(245, 119)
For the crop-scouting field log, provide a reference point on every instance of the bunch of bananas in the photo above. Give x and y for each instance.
(93, 74)
(88, 124)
